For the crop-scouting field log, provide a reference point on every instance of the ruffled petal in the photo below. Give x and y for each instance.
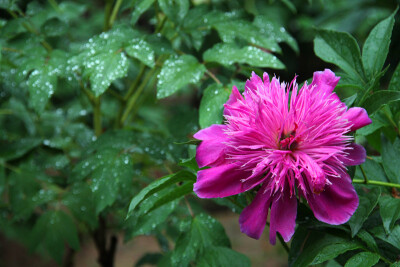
(253, 218)
(232, 103)
(220, 181)
(325, 81)
(356, 156)
(358, 117)
(211, 151)
(283, 217)
(337, 203)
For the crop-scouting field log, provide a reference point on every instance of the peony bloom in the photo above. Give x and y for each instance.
(284, 143)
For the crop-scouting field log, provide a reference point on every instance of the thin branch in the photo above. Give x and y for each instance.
(212, 76)
(373, 182)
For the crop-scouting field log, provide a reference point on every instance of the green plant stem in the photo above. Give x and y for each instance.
(136, 82)
(373, 182)
(135, 96)
(107, 14)
(364, 174)
(212, 76)
(54, 4)
(97, 116)
(283, 243)
(114, 13)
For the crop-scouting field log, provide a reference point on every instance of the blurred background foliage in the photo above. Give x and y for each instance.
(99, 99)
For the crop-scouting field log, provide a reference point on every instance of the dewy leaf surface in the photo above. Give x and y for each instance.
(178, 72)
(212, 105)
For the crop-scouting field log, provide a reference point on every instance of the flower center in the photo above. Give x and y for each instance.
(288, 141)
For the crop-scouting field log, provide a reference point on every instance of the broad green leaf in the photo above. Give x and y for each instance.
(395, 264)
(375, 101)
(372, 169)
(363, 259)
(391, 159)
(104, 68)
(172, 195)
(368, 239)
(204, 232)
(222, 256)
(394, 84)
(230, 31)
(389, 208)
(178, 72)
(16, 149)
(175, 10)
(52, 229)
(313, 247)
(54, 27)
(141, 50)
(341, 49)
(158, 185)
(190, 163)
(41, 86)
(140, 7)
(81, 203)
(212, 105)
(106, 179)
(367, 202)
(393, 238)
(141, 223)
(276, 31)
(376, 47)
(377, 123)
(227, 54)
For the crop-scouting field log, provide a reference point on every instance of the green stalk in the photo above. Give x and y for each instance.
(373, 182)
(107, 14)
(114, 13)
(97, 116)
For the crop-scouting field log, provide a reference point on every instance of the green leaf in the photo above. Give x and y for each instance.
(376, 47)
(140, 7)
(81, 203)
(377, 123)
(212, 105)
(178, 72)
(375, 101)
(393, 238)
(52, 229)
(41, 86)
(172, 195)
(158, 185)
(227, 54)
(141, 50)
(104, 68)
(175, 10)
(149, 259)
(394, 84)
(363, 259)
(204, 232)
(368, 239)
(395, 264)
(268, 25)
(391, 159)
(222, 256)
(313, 247)
(16, 149)
(54, 27)
(389, 208)
(341, 49)
(367, 202)
(232, 30)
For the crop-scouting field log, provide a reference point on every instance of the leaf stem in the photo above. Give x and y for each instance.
(212, 76)
(373, 182)
(364, 174)
(97, 116)
(283, 243)
(107, 13)
(114, 13)
(136, 82)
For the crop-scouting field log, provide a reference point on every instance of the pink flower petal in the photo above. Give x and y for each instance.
(232, 102)
(325, 80)
(210, 151)
(253, 218)
(283, 217)
(357, 155)
(358, 117)
(220, 181)
(337, 203)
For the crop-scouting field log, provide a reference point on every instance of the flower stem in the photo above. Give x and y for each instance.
(114, 13)
(97, 116)
(373, 182)
(283, 243)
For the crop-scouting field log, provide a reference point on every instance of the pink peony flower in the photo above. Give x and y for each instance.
(283, 143)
